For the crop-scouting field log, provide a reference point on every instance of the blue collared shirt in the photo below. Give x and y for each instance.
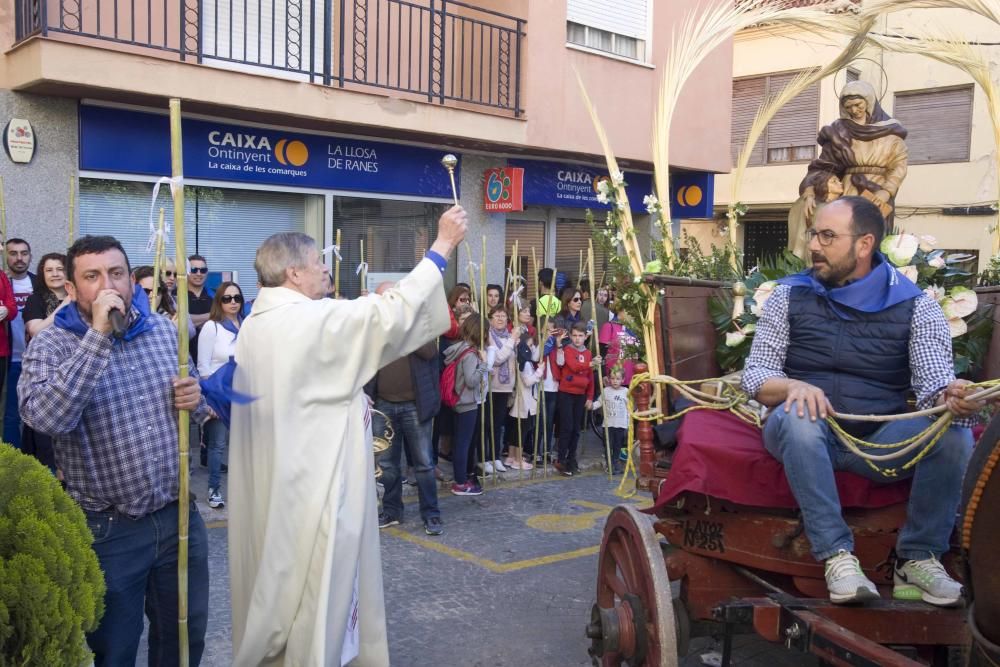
(110, 411)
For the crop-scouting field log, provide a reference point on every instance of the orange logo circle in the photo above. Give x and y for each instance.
(291, 152)
(689, 195)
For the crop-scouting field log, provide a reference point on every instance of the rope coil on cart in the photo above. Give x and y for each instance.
(737, 402)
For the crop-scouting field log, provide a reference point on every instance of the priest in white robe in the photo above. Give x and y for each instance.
(305, 568)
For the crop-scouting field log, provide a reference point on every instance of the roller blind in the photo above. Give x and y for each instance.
(629, 17)
(939, 123)
(397, 234)
(748, 95)
(225, 226)
(528, 234)
(795, 124)
(572, 237)
(791, 134)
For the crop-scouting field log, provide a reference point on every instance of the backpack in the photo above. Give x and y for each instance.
(449, 393)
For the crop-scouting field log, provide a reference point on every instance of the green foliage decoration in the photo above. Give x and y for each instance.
(51, 585)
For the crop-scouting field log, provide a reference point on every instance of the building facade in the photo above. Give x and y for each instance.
(332, 115)
(950, 184)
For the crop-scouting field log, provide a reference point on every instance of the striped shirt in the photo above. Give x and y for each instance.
(931, 359)
(110, 411)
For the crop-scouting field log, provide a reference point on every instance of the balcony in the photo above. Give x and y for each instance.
(438, 51)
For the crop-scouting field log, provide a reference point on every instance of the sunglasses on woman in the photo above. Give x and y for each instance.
(168, 274)
(229, 298)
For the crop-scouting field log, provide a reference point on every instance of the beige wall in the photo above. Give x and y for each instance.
(554, 118)
(926, 187)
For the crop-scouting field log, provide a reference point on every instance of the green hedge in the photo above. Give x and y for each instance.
(51, 585)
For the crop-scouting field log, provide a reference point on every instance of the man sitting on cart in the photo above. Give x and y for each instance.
(854, 335)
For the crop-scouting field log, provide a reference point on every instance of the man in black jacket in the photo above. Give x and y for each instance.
(407, 392)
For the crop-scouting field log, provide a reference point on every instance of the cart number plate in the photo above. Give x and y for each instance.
(704, 535)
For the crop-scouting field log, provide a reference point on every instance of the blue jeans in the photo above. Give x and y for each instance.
(810, 452)
(551, 402)
(496, 408)
(463, 444)
(11, 412)
(139, 561)
(415, 436)
(216, 440)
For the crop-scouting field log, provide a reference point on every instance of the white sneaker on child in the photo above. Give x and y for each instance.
(498, 466)
(487, 468)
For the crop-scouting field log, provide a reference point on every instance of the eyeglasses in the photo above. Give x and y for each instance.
(229, 298)
(825, 236)
(199, 269)
(577, 300)
(463, 299)
(168, 274)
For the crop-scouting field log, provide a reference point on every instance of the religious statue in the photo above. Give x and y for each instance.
(861, 153)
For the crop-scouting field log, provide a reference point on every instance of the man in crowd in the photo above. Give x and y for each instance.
(854, 335)
(407, 392)
(110, 406)
(22, 280)
(305, 569)
(546, 303)
(199, 307)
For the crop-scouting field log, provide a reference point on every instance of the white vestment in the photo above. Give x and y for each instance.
(303, 517)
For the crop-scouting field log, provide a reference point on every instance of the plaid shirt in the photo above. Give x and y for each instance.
(110, 411)
(931, 367)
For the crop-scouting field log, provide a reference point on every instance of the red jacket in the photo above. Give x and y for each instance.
(8, 302)
(575, 375)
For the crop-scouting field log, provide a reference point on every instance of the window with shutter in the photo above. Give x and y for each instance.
(938, 122)
(791, 134)
(529, 234)
(571, 238)
(621, 32)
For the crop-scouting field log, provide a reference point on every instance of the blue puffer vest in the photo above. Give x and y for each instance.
(863, 364)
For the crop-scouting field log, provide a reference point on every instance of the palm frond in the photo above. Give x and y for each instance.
(951, 49)
(989, 9)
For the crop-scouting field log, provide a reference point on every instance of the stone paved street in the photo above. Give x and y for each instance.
(510, 582)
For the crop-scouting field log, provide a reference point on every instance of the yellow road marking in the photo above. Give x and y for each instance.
(485, 563)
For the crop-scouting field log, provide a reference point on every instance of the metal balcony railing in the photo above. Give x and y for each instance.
(442, 50)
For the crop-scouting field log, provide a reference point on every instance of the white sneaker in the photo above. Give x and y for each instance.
(215, 500)
(846, 581)
(487, 468)
(926, 580)
(499, 466)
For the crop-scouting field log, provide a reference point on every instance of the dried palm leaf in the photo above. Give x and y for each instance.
(951, 49)
(989, 9)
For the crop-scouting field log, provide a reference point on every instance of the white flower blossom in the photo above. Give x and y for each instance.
(957, 326)
(900, 248)
(620, 204)
(734, 338)
(962, 302)
(935, 292)
(757, 311)
(603, 187)
(938, 262)
(927, 242)
(602, 197)
(617, 177)
(762, 294)
(909, 271)
(749, 328)
(650, 202)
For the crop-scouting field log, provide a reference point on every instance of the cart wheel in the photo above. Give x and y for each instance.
(633, 620)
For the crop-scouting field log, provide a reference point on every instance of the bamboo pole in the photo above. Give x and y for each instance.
(545, 328)
(183, 416)
(540, 409)
(364, 268)
(597, 351)
(72, 209)
(472, 280)
(3, 227)
(157, 263)
(336, 270)
(515, 260)
(579, 273)
(483, 323)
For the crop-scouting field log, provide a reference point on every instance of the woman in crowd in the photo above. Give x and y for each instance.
(216, 344)
(169, 270)
(48, 298)
(572, 302)
(494, 297)
(502, 378)
(470, 387)
(143, 276)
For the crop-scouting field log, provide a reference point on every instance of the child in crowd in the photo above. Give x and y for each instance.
(614, 403)
(550, 391)
(524, 318)
(617, 343)
(576, 387)
(470, 386)
(524, 406)
(502, 378)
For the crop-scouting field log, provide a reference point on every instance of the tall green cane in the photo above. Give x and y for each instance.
(157, 265)
(482, 350)
(597, 351)
(183, 416)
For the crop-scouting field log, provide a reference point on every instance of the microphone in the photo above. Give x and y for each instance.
(117, 323)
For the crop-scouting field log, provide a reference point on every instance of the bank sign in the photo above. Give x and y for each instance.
(135, 142)
(575, 185)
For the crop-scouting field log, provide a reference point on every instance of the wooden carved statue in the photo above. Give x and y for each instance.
(861, 153)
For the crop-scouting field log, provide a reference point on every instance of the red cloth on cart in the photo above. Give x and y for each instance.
(723, 457)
